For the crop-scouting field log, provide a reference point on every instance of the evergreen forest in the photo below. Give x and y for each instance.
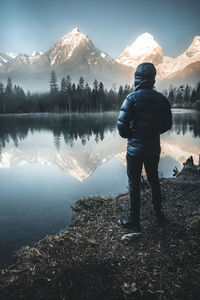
(80, 97)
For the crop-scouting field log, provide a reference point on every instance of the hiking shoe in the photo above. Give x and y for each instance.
(126, 224)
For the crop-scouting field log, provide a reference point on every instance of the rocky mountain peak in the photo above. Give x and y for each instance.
(74, 36)
(75, 30)
(65, 47)
(145, 36)
(194, 48)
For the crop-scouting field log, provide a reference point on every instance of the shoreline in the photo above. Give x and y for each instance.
(88, 260)
(87, 112)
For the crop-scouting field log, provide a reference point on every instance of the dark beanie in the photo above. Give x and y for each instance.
(145, 71)
(145, 75)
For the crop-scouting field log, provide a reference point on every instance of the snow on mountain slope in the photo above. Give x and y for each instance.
(73, 54)
(11, 54)
(194, 48)
(145, 48)
(36, 53)
(64, 48)
(5, 57)
(181, 62)
(190, 74)
(18, 62)
(35, 56)
(73, 46)
(76, 54)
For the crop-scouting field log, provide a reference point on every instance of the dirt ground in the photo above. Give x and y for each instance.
(89, 260)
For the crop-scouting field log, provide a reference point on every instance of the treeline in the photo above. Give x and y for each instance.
(66, 97)
(184, 96)
(80, 97)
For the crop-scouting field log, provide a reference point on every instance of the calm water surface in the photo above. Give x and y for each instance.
(48, 161)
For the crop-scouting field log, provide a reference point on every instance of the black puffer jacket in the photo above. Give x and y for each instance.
(144, 115)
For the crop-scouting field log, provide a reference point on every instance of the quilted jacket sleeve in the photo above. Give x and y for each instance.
(166, 123)
(125, 117)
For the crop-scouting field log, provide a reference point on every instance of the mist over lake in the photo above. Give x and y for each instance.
(48, 161)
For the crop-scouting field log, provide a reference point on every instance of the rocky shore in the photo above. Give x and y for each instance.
(89, 260)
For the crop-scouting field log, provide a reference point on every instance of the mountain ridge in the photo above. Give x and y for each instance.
(76, 55)
(73, 54)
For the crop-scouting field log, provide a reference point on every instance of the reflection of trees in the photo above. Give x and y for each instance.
(10, 130)
(186, 122)
(79, 126)
(71, 127)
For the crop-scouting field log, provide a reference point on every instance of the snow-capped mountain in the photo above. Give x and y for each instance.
(73, 54)
(145, 48)
(5, 57)
(70, 45)
(76, 53)
(189, 74)
(16, 64)
(185, 66)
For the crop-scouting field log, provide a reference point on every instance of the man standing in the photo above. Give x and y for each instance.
(144, 115)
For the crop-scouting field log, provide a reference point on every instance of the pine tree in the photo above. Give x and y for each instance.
(63, 86)
(127, 90)
(9, 88)
(179, 97)
(95, 95)
(69, 92)
(193, 96)
(182, 90)
(53, 84)
(73, 89)
(198, 91)
(120, 92)
(81, 83)
(101, 88)
(101, 96)
(1, 90)
(1, 100)
(68, 84)
(171, 96)
(80, 94)
(95, 85)
(186, 96)
(111, 97)
(73, 98)
(120, 97)
(28, 95)
(87, 97)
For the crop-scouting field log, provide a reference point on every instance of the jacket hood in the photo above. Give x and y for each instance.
(145, 76)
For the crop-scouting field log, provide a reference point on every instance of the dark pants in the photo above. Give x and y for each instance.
(134, 170)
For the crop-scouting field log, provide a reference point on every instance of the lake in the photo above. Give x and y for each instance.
(48, 161)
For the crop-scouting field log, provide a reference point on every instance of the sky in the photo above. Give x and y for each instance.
(34, 25)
